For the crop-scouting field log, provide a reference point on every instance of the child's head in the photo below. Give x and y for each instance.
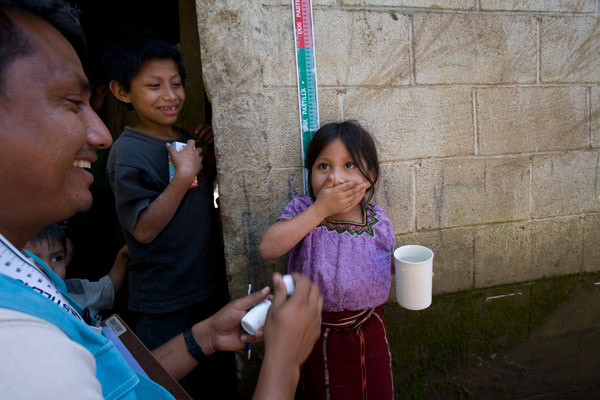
(146, 71)
(131, 47)
(50, 245)
(360, 147)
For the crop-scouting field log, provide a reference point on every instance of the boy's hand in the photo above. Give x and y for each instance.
(205, 137)
(187, 162)
(204, 134)
(336, 198)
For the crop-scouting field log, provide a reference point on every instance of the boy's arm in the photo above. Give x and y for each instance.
(118, 272)
(154, 218)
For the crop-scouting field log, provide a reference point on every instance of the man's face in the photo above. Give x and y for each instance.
(48, 133)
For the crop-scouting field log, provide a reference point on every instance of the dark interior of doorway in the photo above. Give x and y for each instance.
(96, 233)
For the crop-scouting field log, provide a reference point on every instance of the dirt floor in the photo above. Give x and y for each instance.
(559, 360)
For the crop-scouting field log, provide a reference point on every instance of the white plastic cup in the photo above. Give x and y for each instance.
(414, 273)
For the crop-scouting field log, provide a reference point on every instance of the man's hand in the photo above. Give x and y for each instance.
(293, 325)
(225, 331)
(291, 330)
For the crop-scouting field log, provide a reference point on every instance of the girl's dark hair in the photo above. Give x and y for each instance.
(360, 145)
(52, 233)
(130, 47)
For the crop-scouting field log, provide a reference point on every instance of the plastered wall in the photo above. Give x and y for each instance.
(486, 113)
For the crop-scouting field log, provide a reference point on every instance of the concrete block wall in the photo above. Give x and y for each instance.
(486, 113)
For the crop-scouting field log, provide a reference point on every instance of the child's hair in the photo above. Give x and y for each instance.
(52, 233)
(360, 145)
(130, 47)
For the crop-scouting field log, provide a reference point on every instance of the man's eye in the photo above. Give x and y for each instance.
(75, 105)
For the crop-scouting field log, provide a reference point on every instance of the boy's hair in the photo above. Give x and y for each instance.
(52, 233)
(15, 43)
(130, 47)
(360, 145)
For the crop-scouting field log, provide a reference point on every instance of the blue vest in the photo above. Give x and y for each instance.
(118, 379)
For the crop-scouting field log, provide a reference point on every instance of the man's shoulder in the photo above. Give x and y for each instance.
(11, 320)
(33, 350)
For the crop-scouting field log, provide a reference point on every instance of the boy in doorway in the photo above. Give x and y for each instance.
(176, 274)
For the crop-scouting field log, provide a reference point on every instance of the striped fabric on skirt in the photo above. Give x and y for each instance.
(351, 360)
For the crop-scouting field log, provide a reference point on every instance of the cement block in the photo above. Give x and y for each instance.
(565, 184)
(361, 47)
(474, 48)
(454, 193)
(377, 56)
(229, 63)
(595, 133)
(574, 6)
(394, 193)
(591, 243)
(453, 257)
(415, 122)
(283, 124)
(351, 48)
(286, 184)
(503, 255)
(522, 120)
(279, 55)
(556, 246)
(288, 2)
(570, 49)
(283, 128)
(434, 4)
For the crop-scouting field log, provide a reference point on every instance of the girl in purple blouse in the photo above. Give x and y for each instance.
(344, 244)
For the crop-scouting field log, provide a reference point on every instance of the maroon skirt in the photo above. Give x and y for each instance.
(351, 359)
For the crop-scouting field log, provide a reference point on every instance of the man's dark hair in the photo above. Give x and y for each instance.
(130, 47)
(15, 43)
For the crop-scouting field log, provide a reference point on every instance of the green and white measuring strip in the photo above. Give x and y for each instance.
(307, 77)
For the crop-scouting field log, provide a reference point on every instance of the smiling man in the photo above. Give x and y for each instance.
(48, 138)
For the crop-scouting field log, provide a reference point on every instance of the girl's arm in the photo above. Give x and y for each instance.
(154, 218)
(332, 199)
(282, 236)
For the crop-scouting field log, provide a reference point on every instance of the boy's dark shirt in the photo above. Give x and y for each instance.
(181, 265)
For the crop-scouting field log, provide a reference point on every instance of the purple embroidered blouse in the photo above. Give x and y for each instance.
(351, 263)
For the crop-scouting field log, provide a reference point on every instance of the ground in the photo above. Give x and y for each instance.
(537, 340)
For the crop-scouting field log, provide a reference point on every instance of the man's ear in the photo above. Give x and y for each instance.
(118, 91)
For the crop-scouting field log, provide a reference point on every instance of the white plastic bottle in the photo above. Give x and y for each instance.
(255, 317)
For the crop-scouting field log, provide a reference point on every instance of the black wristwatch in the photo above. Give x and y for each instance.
(192, 346)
